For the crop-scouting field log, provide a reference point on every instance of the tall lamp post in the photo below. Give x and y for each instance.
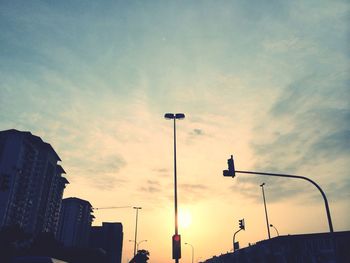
(177, 116)
(137, 214)
(192, 250)
(278, 234)
(267, 218)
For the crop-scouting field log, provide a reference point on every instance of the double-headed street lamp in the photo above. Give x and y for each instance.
(176, 237)
(137, 214)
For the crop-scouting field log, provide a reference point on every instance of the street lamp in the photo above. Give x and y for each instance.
(192, 250)
(138, 243)
(267, 219)
(137, 214)
(177, 116)
(271, 225)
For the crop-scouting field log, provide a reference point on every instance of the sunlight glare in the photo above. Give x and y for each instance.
(185, 219)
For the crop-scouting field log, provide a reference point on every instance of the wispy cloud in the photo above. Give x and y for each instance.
(307, 127)
(191, 193)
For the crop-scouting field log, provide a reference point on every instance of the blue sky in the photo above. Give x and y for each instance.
(266, 81)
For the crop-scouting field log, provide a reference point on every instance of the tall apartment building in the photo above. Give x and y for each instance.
(31, 182)
(75, 222)
(109, 237)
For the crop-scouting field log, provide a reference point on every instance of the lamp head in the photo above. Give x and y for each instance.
(169, 116)
(179, 116)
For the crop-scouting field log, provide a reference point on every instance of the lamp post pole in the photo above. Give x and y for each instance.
(137, 213)
(174, 117)
(267, 218)
(175, 181)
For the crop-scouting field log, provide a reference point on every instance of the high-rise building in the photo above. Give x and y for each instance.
(75, 222)
(31, 182)
(109, 237)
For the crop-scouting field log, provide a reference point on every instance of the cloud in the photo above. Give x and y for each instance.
(193, 192)
(105, 182)
(197, 132)
(108, 164)
(193, 187)
(151, 186)
(306, 130)
(162, 172)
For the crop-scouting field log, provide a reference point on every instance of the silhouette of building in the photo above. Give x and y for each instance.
(75, 222)
(31, 182)
(319, 247)
(109, 237)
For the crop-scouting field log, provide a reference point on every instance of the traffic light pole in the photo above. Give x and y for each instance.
(234, 238)
(304, 178)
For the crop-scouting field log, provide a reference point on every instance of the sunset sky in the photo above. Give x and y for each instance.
(267, 81)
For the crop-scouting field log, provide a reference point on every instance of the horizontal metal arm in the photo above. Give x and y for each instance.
(111, 207)
(300, 177)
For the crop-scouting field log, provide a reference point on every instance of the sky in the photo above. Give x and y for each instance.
(266, 81)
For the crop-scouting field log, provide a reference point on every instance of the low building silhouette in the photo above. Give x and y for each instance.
(305, 248)
(31, 182)
(109, 237)
(75, 222)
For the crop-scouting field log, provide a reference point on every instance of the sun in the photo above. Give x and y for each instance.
(185, 219)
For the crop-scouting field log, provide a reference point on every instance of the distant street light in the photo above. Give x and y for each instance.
(138, 243)
(278, 234)
(137, 213)
(177, 116)
(192, 250)
(267, 219)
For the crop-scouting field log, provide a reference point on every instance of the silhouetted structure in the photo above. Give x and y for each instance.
(75, 222)
(320, 247)
(34, 259)
(109, 237)
(31, 182)
(142, 256)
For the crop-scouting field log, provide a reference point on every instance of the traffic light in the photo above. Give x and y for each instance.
(231, 168)
(176, 246)
(241, 224)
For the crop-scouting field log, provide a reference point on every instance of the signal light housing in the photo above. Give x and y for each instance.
(242, 224)
(231, 168)
(176, 246)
